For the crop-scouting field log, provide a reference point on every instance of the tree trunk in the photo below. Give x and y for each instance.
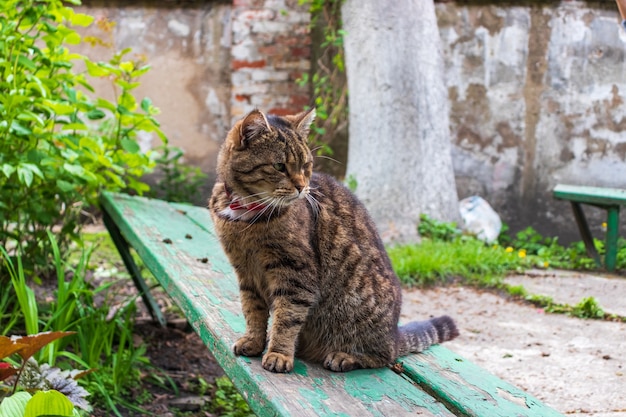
(399, 152)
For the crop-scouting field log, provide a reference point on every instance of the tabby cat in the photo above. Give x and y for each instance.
(306, 251)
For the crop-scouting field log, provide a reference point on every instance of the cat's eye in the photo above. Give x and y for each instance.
(279, 167)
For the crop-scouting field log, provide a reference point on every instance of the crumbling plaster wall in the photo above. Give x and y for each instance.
(536, 87)
(537, 98)
(212, 61)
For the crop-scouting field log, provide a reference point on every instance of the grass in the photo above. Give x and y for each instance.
(445, 255)
(435, 261)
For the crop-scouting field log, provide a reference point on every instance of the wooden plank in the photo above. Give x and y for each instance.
(470, 389)
(590, 195)
(189, 263)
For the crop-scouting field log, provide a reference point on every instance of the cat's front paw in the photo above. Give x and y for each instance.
(277, 362)
(249, 346)
(341, 362)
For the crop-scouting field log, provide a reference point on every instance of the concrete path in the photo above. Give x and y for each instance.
(573, 365)
(570, 287)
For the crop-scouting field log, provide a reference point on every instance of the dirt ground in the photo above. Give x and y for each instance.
(574, 365)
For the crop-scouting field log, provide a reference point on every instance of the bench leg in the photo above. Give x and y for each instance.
(612, 231)
(122, 247)
(583, 227)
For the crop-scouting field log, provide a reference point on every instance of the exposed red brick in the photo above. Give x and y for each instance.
(269, 50)
(301, 51)
(243, 97)
(248, 3)
(299, 101)
(284, 111)
(288, 40)
(238, 64)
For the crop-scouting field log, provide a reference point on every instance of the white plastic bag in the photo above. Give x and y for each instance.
(480, 219)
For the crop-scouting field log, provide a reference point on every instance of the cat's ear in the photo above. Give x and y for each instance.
(253, 125)
(302, 122)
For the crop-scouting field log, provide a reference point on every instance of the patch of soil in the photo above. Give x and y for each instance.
(179, 357)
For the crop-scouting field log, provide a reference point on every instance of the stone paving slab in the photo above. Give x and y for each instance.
(574, 365)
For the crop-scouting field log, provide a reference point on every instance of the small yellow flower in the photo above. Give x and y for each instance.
(603, 225)
(522, 253)
(546, 264)
(509, 249)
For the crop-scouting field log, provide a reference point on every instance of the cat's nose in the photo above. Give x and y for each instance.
(299, 187)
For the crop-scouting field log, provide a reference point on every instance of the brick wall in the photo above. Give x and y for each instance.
(270, 50)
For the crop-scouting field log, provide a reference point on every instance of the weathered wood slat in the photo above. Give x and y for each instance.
(188, 262)
(469, 388)
(590, 195)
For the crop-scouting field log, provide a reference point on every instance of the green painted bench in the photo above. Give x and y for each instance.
(179, 246)
(609, 199)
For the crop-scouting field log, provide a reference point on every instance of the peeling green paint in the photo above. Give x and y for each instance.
(207, 293)
(236, 321)
(315, 399)
(299, 368)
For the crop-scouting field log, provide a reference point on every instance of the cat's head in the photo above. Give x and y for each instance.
(266, 159)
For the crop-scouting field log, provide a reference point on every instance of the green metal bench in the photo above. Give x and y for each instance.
(179, 246)
(609, 199)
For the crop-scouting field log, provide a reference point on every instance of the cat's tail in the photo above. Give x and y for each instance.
(419, 335)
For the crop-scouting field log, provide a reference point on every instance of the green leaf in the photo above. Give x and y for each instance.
(8, 170)
(76, 170)
(127, 66)
(25, 176)
(146, 104)
(72, 38)
(46, 403)
(95, 114)
(22, 60)
(100, 102)
(96, 70)
(81, 19)
(141, 71)
(29, 116)
(60, 108)
(75, 126)
(19, 129)
(65, 186)
(130, 145)
(15, 405)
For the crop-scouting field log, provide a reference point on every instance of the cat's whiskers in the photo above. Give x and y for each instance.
(329, 158)
(315, 205)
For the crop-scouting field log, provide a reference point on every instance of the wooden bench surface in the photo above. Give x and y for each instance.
(179, 246)
(590, 195)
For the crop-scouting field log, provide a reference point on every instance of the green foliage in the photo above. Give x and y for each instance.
(103, 329)
(327, 80)
(180, 181)
(227, 402)
(445, 254)
(352, 183)
(587, 308)
(436, 230)
(550, 253)
(55, 391)
(59, 147)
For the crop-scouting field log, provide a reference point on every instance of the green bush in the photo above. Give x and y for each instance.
(102, 338)
(60, 146)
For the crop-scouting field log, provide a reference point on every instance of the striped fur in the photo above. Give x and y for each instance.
(306, 252)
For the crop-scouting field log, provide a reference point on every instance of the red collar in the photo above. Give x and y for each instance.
(235, 204)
